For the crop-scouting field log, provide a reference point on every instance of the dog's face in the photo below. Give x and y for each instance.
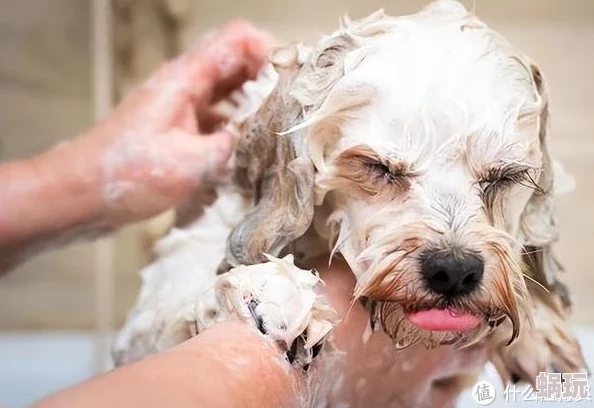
(429, 176)
(423, 140)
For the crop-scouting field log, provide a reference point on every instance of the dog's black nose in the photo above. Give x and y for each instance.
(452, 274)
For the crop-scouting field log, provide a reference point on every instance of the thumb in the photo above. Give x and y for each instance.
(211, 155)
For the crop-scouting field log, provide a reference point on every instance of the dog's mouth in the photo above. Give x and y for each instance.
(431, 326)
(444, 320)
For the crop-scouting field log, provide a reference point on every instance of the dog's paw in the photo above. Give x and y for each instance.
(276, 298)
(548, 346)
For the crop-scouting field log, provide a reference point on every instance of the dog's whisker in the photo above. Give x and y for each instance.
(352, 304)
(538, 284)
(534, 251)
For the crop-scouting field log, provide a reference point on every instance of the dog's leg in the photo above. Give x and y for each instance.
(277, 299)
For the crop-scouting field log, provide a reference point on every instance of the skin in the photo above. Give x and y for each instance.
(202, 372)
(109, 177)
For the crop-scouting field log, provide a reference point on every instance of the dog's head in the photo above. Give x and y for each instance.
(422, 143)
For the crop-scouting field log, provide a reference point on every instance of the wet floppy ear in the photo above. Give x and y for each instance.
(538, 219)
(550, 344)
(274, 171)
(277, 170)
(537, 223)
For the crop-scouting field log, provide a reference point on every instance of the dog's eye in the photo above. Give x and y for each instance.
(383, 171)
(499, 179)
(364, 170)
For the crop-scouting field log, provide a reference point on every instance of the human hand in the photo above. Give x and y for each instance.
(376, 374)
(152, 149)
(149, 154)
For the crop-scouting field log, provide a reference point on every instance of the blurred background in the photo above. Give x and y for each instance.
(64, 62)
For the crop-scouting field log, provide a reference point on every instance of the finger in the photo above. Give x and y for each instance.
(211, 154)
(223, 88)
(217, 65)
(220, 62)
(241, 37)
(187, 119)
(210, 120)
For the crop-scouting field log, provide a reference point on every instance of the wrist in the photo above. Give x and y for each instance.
(71, 180)
(48, 200)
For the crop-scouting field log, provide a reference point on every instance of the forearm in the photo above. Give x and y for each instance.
(48, 200)
(226, 366)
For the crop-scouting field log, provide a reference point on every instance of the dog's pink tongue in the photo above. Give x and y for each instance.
(444, 320)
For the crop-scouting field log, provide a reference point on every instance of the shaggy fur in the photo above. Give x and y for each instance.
(389, 137)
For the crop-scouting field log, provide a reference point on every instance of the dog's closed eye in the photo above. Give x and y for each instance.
(392, 174)
(498, 180)
(364, 169)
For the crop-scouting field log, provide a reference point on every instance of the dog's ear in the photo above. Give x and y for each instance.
(538, 228)
(274, 168)
(272, 171)
(550, 344)
(537, 222)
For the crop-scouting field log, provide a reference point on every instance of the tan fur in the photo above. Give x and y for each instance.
(355, 172)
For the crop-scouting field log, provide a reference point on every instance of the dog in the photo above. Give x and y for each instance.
(414, 147)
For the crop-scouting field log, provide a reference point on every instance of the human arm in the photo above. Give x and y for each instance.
(229, 365)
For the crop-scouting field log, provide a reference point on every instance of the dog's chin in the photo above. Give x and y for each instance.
(430, 326)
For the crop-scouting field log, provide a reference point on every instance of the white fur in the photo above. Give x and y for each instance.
(185, 268)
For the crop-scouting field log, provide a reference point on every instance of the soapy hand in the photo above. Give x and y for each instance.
(157, 147)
